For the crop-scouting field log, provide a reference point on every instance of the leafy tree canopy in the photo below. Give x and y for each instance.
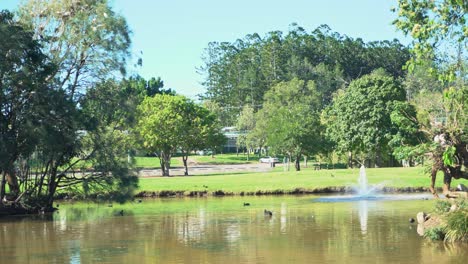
(440, 34)
(359, 119)
(241, 72)
(290, 119)
(168, 123)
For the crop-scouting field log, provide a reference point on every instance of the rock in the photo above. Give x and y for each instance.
(420, 229)
(459, 194)
(427, 217)
(462, 188)
(453, 208)
(421, 217)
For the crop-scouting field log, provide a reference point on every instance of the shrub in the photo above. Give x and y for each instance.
(462, 204)
(457, 226)
(442, 206)
(435, 233)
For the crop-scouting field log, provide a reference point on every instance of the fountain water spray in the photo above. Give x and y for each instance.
(362, 181)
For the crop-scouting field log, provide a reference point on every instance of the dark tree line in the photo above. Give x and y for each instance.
(241, 72)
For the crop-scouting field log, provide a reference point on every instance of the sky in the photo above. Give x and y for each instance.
(172, 34)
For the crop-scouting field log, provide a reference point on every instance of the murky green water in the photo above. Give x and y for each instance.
(222, 230)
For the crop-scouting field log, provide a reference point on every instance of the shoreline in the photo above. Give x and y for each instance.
(295, 191)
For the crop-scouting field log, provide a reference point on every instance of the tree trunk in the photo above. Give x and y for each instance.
(2, 186)
(378, 158)
(350, 160)
(433, 179)
(12, 182)
(163, 165)
(297, 163)
(166, 159)
(447, 182)
(184, 159)
(52, 185)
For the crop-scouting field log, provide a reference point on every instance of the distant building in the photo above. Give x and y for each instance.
(231, 134)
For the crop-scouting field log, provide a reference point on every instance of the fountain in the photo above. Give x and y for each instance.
(365, 192)
(365, 198)
(362, 181)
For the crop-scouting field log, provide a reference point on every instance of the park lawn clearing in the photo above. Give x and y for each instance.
(286, 182)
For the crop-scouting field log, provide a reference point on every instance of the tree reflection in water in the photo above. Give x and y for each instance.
(221, 230)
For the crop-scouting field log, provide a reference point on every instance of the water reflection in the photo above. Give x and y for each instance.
(222, 231)
(363, 215)
(283, 218)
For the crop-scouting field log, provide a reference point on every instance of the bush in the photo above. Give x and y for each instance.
(457, 226)
(442, 206)
(463, 204)
(435, 233)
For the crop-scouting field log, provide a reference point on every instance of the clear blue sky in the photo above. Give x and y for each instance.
(173, 33)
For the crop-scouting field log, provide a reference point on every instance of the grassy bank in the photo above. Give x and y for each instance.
(277, 182)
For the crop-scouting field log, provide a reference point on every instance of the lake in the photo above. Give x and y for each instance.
(302, 229)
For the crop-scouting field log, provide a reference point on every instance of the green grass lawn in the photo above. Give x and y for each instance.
(287, 181)
(153, 162)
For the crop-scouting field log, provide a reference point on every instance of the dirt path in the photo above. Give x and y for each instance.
(208, 169)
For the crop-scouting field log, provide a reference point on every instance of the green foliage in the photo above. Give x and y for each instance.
(160, 120)
(87, 42)
(167, 123)
(455, 223)
(246, 124)
(26, 100)
(462, 204)
(449, 156)
(243, 71)
(86, 39)
(290, 119)
(435, 233)
(436, 27)
(439, 31)
(149, 87)
(407, 142)
(442, 206)
(422, 79)
(457, 226)
(360, 118)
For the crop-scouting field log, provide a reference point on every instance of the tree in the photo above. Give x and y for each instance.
(86, 39)
(23, 86)
(292, 120)
(245, 124)
(149, 87)
(241, 72)
(439, 32)
(201, 131)
(359, 119)
(168, 123)
(86, 42)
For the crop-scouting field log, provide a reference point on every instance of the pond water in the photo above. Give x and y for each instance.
(302, 229)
